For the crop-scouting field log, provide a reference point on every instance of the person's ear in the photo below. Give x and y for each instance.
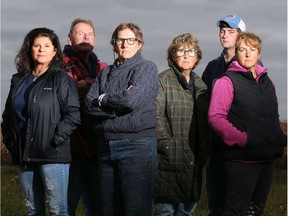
(115, 49)
(69, 40)
(55, 51)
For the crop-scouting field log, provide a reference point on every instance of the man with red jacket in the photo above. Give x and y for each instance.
(83, 66)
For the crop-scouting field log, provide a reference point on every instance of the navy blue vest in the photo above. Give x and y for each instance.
(255, 110)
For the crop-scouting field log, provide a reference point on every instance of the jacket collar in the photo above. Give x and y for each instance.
(235, 66)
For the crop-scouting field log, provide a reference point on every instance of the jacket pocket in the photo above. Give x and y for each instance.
(174, 155)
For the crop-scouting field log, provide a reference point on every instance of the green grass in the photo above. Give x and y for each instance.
(12, 203)
(11, 197)
(276, 204)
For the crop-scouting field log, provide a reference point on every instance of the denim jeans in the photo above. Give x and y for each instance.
(174, 209)
(40, 182)
(127, 170)
(83, 183)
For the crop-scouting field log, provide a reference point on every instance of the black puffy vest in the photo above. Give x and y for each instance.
(255, 110)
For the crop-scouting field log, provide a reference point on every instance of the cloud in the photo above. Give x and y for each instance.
(160, 20)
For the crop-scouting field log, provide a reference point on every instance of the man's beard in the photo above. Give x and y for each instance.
(84, 47)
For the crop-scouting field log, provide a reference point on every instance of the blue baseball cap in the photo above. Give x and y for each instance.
(233, 21)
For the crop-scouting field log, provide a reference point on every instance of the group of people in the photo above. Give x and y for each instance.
(130, 141)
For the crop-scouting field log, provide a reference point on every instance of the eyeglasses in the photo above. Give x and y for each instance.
(130, 41)
(182, 52)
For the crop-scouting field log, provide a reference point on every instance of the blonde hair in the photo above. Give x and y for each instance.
(249, 39)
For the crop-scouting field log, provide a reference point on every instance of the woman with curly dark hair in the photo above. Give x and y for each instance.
(41, 111)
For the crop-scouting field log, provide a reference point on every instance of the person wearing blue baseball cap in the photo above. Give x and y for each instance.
(233, 21)
(229, 28)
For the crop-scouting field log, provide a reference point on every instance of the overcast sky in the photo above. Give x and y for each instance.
(160, 20)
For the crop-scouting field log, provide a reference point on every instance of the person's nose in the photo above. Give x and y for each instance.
(86, 36)
(125, 43)
(41, 49)
(186, 55)
(248, 52)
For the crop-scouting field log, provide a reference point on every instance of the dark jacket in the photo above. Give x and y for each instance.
(124, 112)
(214, 69)
(182, 137)
(53, 113)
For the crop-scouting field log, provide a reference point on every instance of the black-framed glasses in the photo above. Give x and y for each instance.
(182, 52)
(130, 41)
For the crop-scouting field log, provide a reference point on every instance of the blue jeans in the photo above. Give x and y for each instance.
(127, 170)
(83, 183)
(174, 209)
(40, 181)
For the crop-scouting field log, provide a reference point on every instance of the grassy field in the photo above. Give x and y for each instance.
(12, 203)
